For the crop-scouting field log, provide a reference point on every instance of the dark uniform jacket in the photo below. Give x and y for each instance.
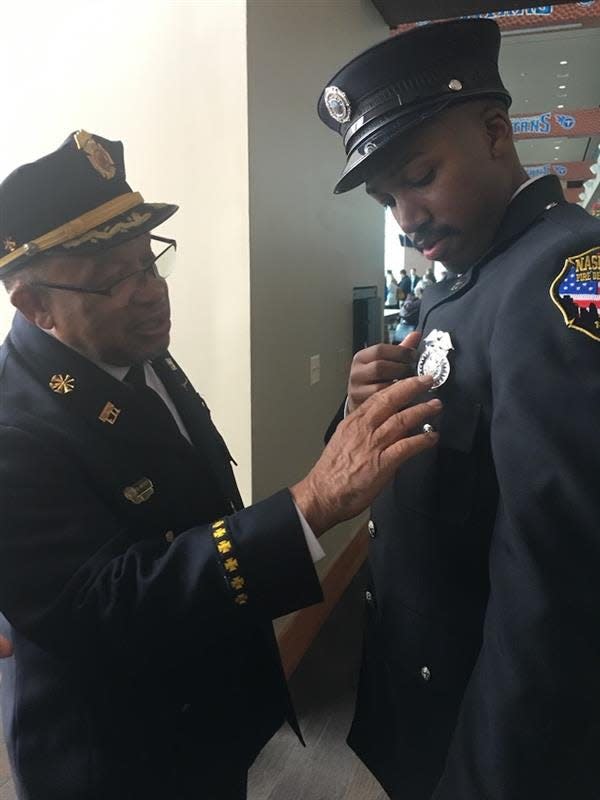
(481, 670)
(138, 592)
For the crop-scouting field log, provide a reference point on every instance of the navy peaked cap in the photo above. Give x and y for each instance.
(404, 81)
(74, 200)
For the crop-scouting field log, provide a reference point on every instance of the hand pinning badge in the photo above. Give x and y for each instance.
(434, 359)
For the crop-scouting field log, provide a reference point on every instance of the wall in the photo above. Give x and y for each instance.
(169, 79)
(307, 247)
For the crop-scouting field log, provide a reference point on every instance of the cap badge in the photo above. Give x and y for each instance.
(141, 491)
(455, 85)
(434, 359)
(62, 384)
(9, 244)
(337, 104)
(97, 155)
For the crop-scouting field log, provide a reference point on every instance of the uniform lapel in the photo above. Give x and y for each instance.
(112, 408)
(196, 418)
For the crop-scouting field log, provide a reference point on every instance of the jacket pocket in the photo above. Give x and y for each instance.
(440, 483)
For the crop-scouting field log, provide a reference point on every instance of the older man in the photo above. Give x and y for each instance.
(139, 592)
(480, 678)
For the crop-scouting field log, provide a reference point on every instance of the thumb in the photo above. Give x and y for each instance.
(411, 341)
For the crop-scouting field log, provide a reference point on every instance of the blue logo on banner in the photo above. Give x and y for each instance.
(566, 121)
(560, 169)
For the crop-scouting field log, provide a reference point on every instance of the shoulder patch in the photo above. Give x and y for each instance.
(576, 292)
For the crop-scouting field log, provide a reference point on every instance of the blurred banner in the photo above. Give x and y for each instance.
(571, 14)
(566, 171)
(552, 124)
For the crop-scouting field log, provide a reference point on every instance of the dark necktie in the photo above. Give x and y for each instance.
(151, 401)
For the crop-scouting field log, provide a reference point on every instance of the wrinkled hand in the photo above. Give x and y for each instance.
(374, 368)
(5, 648)
(365, 452)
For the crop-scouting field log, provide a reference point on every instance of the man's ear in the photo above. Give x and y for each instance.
(33, 304)
(498, 128)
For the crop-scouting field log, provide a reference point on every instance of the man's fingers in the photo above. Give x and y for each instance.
(407, 422)
(411, 340)
(399, 452)
(380, 371)
(6, 649)
(382, 405)
(387, 352)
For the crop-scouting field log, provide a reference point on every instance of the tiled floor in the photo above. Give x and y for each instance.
(323, 690)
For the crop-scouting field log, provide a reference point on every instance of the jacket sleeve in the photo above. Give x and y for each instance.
(70, 572)
(530, 718)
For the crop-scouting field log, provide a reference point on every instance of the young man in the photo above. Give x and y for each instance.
(480, 674)
(139, 592)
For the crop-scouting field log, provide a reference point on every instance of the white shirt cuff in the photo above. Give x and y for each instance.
(314, 548)
(346, 412)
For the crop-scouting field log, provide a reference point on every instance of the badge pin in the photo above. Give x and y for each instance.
(434, 359)
(109, 413)
(62, 384)
(140, 491)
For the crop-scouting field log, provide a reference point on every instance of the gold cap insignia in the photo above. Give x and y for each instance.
(140, 491)
(110, 413)
(9, 244)
(62, 384)
(97, 155)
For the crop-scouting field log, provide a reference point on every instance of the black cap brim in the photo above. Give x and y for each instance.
(360, 163)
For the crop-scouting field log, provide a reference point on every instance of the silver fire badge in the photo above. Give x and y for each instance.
(434, 359)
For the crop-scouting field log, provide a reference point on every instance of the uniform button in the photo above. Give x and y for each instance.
(372, 529)
(169, 536)
(426, 674)
(368, 597)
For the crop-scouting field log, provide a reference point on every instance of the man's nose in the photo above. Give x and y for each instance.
(151, 287)
(410, 214)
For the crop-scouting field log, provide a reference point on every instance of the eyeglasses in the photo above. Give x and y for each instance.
(159, 269)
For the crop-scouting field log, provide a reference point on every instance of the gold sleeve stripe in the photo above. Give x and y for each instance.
(76, 227)
(234, 579)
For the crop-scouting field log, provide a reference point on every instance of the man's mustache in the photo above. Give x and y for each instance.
(425, 237)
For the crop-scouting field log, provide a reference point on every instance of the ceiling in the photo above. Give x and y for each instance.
(531, 69)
